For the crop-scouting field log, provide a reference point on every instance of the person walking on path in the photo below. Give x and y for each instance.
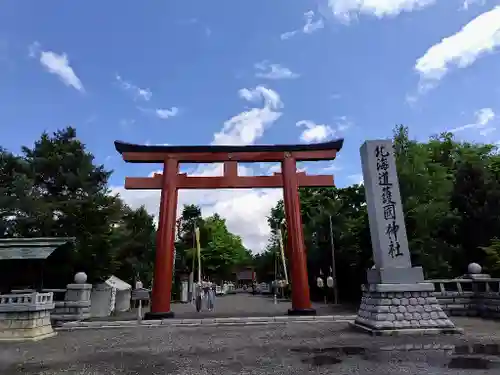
(206, 293)
(198, 296)
(211, 297)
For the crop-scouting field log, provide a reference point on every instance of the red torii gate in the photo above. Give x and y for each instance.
(171, 181)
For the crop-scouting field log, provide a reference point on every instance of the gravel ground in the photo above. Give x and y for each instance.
(240, 305)
(324, 348)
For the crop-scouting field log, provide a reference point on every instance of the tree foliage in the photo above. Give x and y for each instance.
(451, 198)
(222, 252)
(55, 189)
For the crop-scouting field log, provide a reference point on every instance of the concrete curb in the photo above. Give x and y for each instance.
(206, 322)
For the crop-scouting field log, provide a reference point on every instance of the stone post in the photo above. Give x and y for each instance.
(396, 298)
(474, 272)
(26, 317)
(76, 304)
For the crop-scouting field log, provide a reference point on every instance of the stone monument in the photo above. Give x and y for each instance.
(396, 298)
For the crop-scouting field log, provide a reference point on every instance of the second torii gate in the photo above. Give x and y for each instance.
(170, 181)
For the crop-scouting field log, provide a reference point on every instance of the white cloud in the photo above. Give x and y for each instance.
(478, 37)
(311, 25)
(245, 211)
(57, 64)
(333, 167)
(273, 71)
(321, 132)
(288, 34)
(314, 132)
(345, 10)
(161, 113)
(467, 3)
(343, 123)
(137, 92)
(483, 117)
(248, 126)
(167, 113)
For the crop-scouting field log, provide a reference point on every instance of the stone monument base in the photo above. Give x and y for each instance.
(25, 326)
(395, 275)
(394, 309)
(26, 317)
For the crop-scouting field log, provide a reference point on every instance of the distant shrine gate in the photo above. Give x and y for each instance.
(171, 181)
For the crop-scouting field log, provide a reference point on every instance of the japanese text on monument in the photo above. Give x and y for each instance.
(388, 204)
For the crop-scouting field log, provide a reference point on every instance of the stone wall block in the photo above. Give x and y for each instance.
(380, 317)
(436, 307)
(431, 300)
(445, 300)
(382, 309)
(462, 301)
(456, 307)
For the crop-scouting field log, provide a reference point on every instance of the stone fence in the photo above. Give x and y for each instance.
(469, 296)
(69, 304)
(15, 300)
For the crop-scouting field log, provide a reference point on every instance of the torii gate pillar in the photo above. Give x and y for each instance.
(301, 300)
(165, 240)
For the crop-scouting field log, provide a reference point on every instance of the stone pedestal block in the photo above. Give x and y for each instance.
(76, 304)
(388, 309)
(26, 317)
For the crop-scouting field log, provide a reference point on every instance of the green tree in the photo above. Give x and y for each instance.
(60, 192)
(134, 243)
(451, 198)
(15, 190)
(185, 245)
(223, 251)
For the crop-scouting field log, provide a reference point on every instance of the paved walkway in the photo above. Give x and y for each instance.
(240, 305)
(289, 349)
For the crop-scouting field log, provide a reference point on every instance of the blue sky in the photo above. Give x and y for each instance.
(252, 72)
